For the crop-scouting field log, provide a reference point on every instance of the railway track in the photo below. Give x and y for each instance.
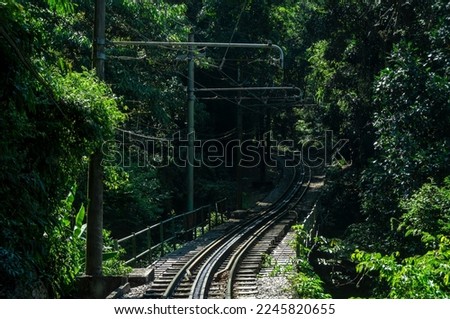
(227, 267)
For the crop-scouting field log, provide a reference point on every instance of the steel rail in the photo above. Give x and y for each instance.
(236, 259)
(187, 269)
(207, 272)
(223, 244)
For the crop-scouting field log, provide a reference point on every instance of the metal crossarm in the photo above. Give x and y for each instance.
(269, 46)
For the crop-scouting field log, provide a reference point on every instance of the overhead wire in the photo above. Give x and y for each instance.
(222, 96)
(147, 137)
(140, 34)
(127, 26)
(238, 84)
(145, 37)
(219, 67)
(249, 107)
(221, 136)
(231, 81)
(234, 32)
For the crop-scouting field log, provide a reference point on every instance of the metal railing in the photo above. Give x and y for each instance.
(165, 236)
(309, 225)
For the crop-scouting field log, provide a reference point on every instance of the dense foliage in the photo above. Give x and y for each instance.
(422, 272)
(306, 283)
(52, 118)
(382, 75)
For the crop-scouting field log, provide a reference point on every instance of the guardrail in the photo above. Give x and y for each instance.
(309, 225)
(158, 238)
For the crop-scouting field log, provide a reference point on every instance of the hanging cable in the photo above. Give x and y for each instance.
(147, 137)
(222, 136)
(234, 32)
(234, 82)
(221, 96)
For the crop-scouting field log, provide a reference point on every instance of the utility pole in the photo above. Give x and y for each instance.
(191, 45)
(268, 133)
(260, 136)
(239, 129)
(190, 124)
(94, 240)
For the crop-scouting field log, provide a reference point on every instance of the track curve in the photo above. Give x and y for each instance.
(218, 269)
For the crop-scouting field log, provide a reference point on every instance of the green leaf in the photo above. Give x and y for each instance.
(62, 7)
(79, 228)
(110, 255)
(80, 216)
(70, 198)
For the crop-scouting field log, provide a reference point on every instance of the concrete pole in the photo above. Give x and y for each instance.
(191, 128)
(94, 236)
(239, 129)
